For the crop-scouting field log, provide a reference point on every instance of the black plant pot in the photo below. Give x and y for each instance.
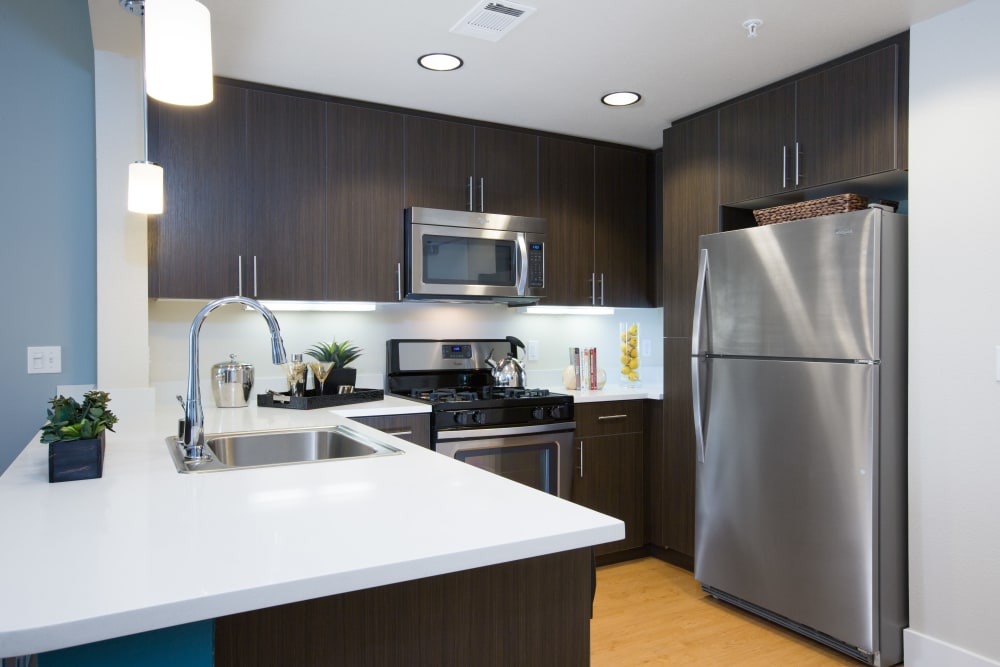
(339, 377)
(76, 459)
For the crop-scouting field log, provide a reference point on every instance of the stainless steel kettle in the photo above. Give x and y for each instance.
(509, 371)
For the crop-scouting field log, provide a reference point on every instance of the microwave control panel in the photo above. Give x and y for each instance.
(536, 264)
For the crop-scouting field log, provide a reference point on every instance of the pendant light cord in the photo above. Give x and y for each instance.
(142, 72)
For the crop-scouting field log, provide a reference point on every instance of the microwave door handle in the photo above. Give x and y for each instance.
(521, 265)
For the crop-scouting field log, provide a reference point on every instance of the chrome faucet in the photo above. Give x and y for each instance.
(193, 438)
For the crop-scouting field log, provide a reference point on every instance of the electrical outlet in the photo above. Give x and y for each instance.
(645, 347)
(45, 359)
(532, 350)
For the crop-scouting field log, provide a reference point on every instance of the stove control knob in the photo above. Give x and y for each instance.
(469, 417)
(558, 411)
(538, 413)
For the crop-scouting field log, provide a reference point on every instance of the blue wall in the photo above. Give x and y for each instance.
(189, 645)
(47, 206)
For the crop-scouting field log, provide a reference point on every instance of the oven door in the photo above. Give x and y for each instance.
(471, 263)
(538, 456)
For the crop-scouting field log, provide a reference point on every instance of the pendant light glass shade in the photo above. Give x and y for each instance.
(145, 188)
(178, 36)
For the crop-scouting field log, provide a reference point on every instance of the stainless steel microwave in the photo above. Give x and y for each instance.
(483, 257)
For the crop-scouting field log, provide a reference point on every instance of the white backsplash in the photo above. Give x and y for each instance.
(231, 330)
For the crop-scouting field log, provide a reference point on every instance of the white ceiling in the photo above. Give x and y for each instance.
(549, 72)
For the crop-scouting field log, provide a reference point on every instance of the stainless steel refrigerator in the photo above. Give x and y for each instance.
(799, 383)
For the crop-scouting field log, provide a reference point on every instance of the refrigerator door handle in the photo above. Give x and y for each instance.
(699, 306)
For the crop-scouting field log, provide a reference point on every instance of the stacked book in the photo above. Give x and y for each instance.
(584, 363)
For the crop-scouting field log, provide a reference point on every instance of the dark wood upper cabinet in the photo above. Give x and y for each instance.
(757, 145)
(621, 226)
(288, 213)
(566, 177)
(365, 199)
(438, 163)
(195, 246)
(690, 209)
(842, 122)
(847, 118)
(506, 175)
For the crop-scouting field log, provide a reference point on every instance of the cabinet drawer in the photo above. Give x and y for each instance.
(412, 428)
(608, 418)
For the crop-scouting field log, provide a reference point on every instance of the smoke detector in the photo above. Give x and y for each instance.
(752, 26)
(492, 20)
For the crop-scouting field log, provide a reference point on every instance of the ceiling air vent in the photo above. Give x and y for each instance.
(492, 20)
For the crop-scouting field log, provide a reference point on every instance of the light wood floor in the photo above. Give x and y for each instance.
(647, 612)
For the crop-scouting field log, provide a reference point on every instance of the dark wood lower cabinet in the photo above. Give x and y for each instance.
(412, 428)
(528, 612)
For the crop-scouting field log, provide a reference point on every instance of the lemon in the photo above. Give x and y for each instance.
(626, 370)
(624, 360)
(633, 363)
(633, 376)
(633, 353)
(634, 329)
(624, 349)
(623, 336)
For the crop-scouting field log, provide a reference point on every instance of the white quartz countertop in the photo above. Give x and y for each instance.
(146, 547)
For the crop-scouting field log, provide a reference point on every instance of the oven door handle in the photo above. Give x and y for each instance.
(479, 433)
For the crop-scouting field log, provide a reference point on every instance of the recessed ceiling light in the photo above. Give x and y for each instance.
(621, 98)
(440, 62)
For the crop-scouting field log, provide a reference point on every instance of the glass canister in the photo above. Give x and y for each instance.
(629, 335)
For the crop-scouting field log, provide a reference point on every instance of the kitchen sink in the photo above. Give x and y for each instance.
(259, 449)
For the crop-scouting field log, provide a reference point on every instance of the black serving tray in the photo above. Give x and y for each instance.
(312, 401)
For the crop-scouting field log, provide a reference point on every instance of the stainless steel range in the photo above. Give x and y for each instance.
(523, 434)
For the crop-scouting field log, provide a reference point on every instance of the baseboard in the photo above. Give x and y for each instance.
(672, 557)
(919, 650)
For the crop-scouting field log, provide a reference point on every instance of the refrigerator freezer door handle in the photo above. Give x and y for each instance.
(699, 304)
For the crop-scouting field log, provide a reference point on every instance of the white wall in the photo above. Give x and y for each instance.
(232, 330)
(954, 468)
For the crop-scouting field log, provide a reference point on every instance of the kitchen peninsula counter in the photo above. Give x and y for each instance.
(146, 547)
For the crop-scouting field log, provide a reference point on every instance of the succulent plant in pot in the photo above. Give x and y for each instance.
(75, 434)
(331, 366)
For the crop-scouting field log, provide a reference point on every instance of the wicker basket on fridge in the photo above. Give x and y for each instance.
(810, 209)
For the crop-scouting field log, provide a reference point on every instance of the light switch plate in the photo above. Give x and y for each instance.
(45, 359)
(998, 363)
(532, 350)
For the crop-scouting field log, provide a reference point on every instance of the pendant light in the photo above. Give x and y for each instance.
(176, 67)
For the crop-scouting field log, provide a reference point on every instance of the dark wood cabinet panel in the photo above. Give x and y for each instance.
(196, 244)
(678, 472)
(412, 428)
(609, 467)
(654, 482)
(438, 163)
(506, 174)
(621, 224)
(365, 195)
(847, 119)
(287, 218)
(566, 178)
(690, 208)
(534, 611)
(757, 145)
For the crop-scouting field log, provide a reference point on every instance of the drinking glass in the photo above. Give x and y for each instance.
(321, 370)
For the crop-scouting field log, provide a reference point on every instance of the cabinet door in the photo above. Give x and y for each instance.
(609, 480)
(621, 226)
(196, 244)
(690, 208)
(566, 178)
(288, 217)
(757, 145)
(677, 475)
(365, 194)
(412, 428)
(438, 164)
(847, 119)
(506, 178)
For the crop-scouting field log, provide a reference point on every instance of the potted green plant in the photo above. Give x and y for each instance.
(331, 368)
(75, 433)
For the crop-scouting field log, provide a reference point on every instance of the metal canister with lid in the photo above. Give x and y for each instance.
(231, 383)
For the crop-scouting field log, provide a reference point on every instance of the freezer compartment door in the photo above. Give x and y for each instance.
(802, 289)
(784, 499)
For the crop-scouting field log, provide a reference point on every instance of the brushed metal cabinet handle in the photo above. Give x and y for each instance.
(610, 417)
(784, 167)
(482, 195)
(797, 154)
(470, 193)
(239, 276)
(399, 433)
(255, 276)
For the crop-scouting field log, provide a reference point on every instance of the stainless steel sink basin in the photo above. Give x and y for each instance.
(257, 449)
